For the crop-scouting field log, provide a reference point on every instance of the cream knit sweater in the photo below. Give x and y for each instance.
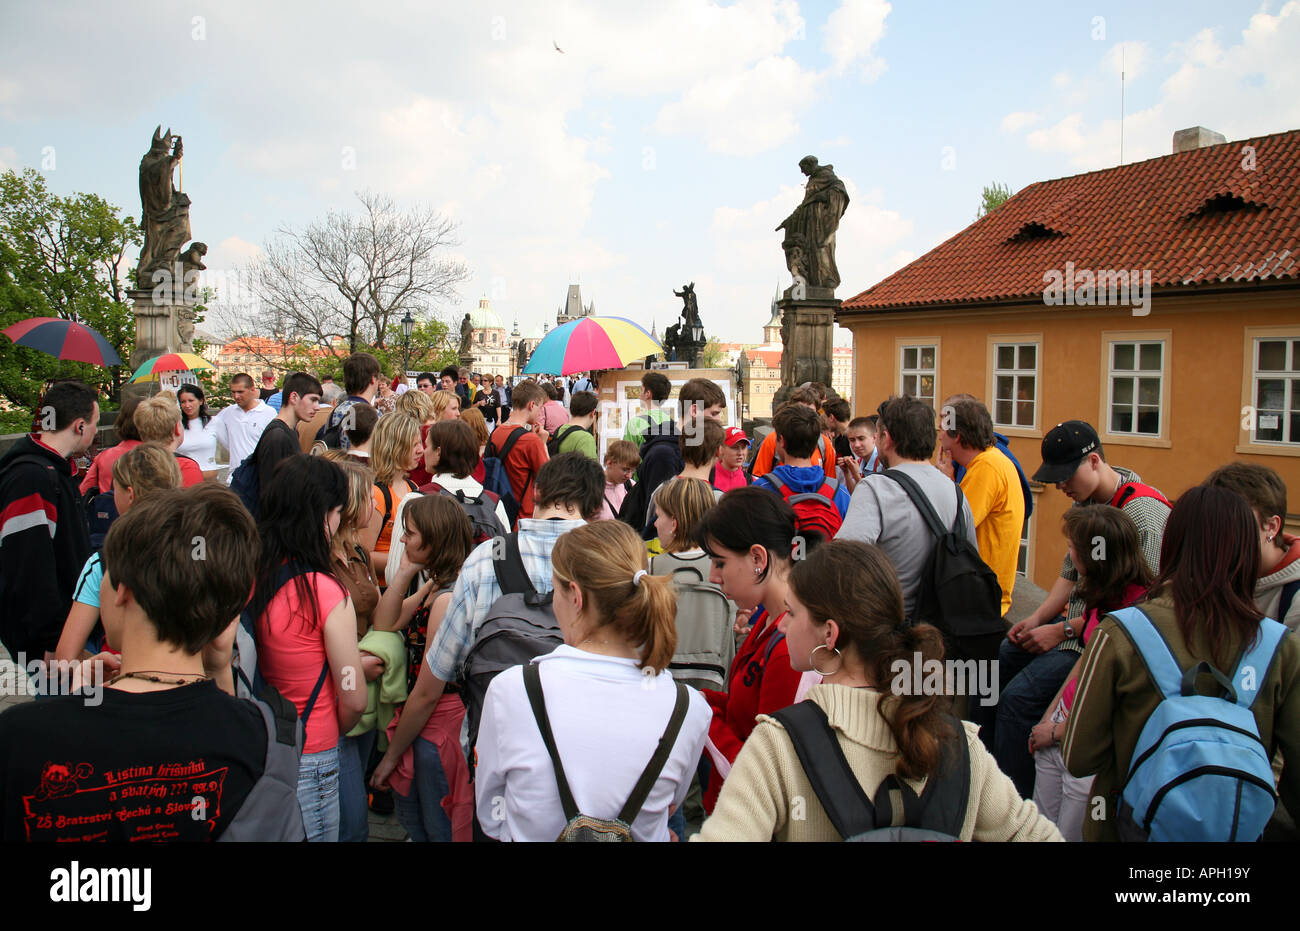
(768, 797)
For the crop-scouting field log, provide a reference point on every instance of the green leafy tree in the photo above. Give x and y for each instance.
(62, 257)
(993, 197)
(712, 356)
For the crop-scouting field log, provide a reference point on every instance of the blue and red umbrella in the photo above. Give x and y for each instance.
(63, 339)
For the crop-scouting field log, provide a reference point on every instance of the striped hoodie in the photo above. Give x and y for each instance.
(44, 542)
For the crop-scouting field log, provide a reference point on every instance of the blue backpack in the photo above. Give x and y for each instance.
(1200, 771)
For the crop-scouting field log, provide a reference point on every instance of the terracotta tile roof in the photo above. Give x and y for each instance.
(771, 357)
(1192, 219)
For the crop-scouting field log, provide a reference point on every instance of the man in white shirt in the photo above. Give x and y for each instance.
(239, 426)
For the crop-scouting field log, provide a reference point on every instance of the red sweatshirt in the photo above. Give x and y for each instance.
(758, 683)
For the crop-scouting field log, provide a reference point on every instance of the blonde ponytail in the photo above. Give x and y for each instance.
(617, 586)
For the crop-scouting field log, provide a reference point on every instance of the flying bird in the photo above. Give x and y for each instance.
(557, 47)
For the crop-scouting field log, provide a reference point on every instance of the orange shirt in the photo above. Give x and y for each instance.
(765, 458)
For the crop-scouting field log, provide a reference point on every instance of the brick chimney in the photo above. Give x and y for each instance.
(1198, 137)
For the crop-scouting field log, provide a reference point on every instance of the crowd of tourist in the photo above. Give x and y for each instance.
(480, 607)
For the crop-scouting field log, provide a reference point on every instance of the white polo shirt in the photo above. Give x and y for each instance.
(239, 430)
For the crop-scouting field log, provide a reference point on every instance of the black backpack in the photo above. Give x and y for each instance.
(959, 593)
(553, 444)
(332, 433)
(937, 814)
(520, 625)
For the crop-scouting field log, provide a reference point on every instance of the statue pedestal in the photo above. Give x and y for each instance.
(807, 337)
(155, 334)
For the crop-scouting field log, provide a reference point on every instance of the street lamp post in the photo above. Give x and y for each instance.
(408, 324)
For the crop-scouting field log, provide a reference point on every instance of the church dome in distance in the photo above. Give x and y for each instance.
(485, 318)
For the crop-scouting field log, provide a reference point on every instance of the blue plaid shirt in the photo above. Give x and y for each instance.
(476, 589)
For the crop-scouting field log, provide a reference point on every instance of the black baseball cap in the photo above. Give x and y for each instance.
(1064, 448)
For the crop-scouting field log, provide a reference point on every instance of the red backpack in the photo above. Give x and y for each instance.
(814, 511)
(1130, 490)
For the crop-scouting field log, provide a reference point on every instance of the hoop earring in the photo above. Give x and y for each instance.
(813, 664)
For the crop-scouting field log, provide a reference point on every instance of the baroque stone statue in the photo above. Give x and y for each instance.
(466, 336)
(809, 241)
(164, 211)
(690, 307)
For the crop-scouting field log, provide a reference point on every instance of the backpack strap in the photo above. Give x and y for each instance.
(922, 502)
(1288, 596)
(650, 775)
(1152, 648)
(388, 507)
(771, 645)
(533, 686)
(311, 699)
(1128, 490)
(509, 444)
(779, 485)
(512, 575)
(1257, 658)
(823, 762)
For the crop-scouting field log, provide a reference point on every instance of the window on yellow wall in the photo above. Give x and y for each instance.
(1015, 384)
(1136, 377)
(917, 369)
(1276, 391)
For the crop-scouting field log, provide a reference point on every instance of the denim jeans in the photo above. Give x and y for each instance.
(354, 821)
(1032, 681)
(421, 812)
(318, 794)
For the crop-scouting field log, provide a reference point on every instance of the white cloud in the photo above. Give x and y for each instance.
(867, 249)
(744, 113)
(1241, 90)
(1014, 122)
(852, 31)
(9, 158)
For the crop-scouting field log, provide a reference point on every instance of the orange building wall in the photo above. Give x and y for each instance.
(1203, 367)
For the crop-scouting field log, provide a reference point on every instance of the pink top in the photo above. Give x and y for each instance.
(100, 472)
(614, 494)
(291, 652)
(554, 416)
(724, 480)
(1092, 618)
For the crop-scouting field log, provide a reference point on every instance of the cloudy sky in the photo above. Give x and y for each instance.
(659, 147)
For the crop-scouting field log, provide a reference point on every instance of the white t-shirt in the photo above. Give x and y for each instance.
(239, 430)
(200, 444)
(607, 718)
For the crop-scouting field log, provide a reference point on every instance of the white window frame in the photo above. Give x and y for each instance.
(1109, 340)
(995, 341)
(1290, 375)
(902, 344)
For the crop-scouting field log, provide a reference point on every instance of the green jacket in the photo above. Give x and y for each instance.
(389, 690)
(1116, 696)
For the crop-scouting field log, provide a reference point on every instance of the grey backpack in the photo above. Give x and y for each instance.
(706, 644)
(588, 828)
(897, 812)
(270, 811)
(519, 626)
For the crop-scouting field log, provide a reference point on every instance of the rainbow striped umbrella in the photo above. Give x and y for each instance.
(591, 343)
(63, 339)
(170, 362)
